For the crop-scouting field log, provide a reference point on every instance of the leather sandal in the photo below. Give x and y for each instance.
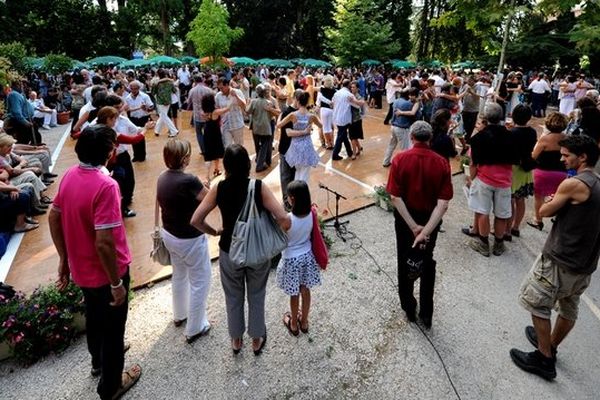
(287, 321)
(130, 378)
(539, 225)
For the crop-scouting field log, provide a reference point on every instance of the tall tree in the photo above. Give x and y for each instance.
(360, 33)
(210, 31)
(398, 13)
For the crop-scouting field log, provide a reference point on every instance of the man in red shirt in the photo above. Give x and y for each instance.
(87, 230)
(420, 186)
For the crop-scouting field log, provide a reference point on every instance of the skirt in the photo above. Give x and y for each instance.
(545, 182)
(355, 131)
(522, 183)
(298, 271)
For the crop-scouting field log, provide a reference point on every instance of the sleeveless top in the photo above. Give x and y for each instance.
(574, 241)
(298, 236)
(328, 94)
(302, 121)
(231, 196)
(550, 161)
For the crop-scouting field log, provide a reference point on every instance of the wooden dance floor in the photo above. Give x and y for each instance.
(36, 260)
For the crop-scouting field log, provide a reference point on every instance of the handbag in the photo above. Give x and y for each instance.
(415, 263)
(256, 236)
(319, 248)
(159, 252)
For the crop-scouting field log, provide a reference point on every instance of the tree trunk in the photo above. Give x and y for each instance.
(102, 5)
(424, 29)
(164, 26)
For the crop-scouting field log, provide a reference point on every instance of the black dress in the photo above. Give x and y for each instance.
(213, 141)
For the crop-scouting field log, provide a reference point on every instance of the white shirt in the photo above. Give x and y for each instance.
(37, 104)
(439, 82)
(184, 76)
(234, 118)
(342, 115)
(124, 126)
(87, 94)
(136, 102)
(391, 88)
(539, 86)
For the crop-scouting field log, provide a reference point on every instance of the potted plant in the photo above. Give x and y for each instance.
(382, 198)
(47, 321)
(465, 162)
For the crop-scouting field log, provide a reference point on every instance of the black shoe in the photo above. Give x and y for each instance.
(261, 169)
(47, 182)
(193, 338)
(535, 363)
(515, 232)
(411, 316)
(467, 231)
(262, 346)
(127, 213)
(532, 337)
(386, 122)
(37, 211)
(50, 175)
(426, 321)
(337, 158)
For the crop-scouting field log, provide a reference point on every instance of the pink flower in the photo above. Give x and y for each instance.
(18, 337)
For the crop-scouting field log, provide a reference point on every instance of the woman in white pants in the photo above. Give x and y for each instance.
(178, 195)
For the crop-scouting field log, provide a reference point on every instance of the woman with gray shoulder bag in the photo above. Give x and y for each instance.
(249, 239)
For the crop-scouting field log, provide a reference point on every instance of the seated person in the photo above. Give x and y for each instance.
(15, 208)
(42, 114)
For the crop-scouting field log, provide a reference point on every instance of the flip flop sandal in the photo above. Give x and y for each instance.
(31, 221)
(46, 200)
(130, 378)
(287, 321)
(305, 331)
(535, 224)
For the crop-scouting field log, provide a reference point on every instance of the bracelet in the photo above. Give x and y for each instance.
(118, 285)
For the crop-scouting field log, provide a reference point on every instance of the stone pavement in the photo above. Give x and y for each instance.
(360, 345)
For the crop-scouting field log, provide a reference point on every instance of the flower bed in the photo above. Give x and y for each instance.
(45, 322)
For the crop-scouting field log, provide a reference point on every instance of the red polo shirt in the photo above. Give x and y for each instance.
(420, 177)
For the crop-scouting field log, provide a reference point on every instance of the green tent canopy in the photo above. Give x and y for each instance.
(34, 62)
(106, 60)
(243, 61)
(313, 63)
(465, 65)
(280, 63)
(264, 61)
(188, 60)
(403, 64)
(433, 64)
(135, 63)
(370, 62)
(164, 60)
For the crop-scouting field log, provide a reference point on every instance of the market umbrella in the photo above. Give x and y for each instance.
(298, 61)
(370, 62)
(280, 63)
(242, 61)
(264, 61)
(188, 60)
(78, 64)
(34, 62)
(313, 63)
(165, 60)
(464, 65)
(433, 64)
(106, 60)
(135, 63)
(222, 60)
(403, 64)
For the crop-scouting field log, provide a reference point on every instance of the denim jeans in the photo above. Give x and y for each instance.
(200, 125)
(105, 331)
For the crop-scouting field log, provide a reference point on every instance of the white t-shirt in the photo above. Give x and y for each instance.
(539, 86)
(234, 118)
(184, 76)
(136, 103)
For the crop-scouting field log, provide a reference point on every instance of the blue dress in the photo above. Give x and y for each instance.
(301, 151)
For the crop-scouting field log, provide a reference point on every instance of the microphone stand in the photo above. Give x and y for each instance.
(337, 225)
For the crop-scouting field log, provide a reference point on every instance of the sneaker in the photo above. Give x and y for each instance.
(46, 127)
(480, 247)
(535, 363)
(127, 213)
(499, 248)
(532, 337)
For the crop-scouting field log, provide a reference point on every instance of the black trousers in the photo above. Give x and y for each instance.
(469, 122)
(124, 175)
(389, 114)
(378, 99)
(538, 104)
(342, 139)
(139, 149)
(105, 332)
(22, 133)
(286, 175)
(404, 241)
(263, 145)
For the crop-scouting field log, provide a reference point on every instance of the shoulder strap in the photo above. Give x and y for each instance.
(156, 220)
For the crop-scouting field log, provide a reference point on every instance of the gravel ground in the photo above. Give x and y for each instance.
(360, 345)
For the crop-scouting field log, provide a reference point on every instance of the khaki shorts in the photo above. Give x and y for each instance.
(484, 199)
(549, 286)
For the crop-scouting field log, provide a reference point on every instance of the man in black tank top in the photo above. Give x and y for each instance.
(563, 270)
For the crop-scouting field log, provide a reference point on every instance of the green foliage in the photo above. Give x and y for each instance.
(586, 32)
(40, 324)
(15, 52)
(7, 73)
(360, 33)
(57, 63)
(210, 31)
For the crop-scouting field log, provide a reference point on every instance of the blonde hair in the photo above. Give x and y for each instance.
(328, 81)
(6, 140)
(310, 80)
(175, 151)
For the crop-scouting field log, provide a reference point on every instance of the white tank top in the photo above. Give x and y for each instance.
(298, 236)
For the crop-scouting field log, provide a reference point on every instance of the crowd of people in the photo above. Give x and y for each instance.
(433, 116)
